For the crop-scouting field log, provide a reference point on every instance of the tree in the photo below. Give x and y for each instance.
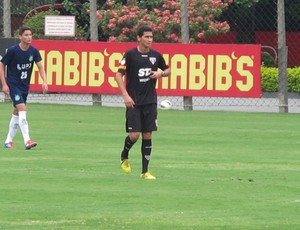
(119, 22)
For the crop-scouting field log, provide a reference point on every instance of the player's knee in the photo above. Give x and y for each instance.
(134, 136)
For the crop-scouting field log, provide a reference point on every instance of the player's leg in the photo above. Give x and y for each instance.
(128, 143)
(23, 123)
(133, 130)
(146, 149)
(12, 129)
(149, 125)
(14, 121)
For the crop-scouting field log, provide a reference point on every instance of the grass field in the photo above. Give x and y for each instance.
(215, 170)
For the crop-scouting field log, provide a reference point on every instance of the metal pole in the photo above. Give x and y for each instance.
(97, 99)
(184, 22)
(93, 20)
(187, 101)
(6, 19)
(282, 58)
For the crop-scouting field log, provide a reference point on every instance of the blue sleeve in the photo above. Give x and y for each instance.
(37, 55)
(7, 58)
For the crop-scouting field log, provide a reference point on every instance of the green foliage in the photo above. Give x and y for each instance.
(150, 5)
(293, 79)
(269, 79)
(246, 3)
(267, 59)
(21, 8)
(292, 9)
(37, 24)
(119, 22)
(80, 11)
(270, 82)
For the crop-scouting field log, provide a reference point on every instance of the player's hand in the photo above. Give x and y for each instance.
(155, 74)
(45, 87)
(128, 101)
(5, 89)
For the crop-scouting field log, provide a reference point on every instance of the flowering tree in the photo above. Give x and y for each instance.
(119, 22)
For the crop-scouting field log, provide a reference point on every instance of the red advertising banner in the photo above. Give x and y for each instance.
(212, 70)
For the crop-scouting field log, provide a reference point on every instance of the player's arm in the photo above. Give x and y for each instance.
(158, 74)
(43, 76)
(127, 99)
(165, 69)
(166, 72)
(5, 88)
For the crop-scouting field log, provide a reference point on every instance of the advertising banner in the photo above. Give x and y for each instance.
(213, 70)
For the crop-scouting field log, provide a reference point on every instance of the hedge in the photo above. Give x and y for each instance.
(270, 80)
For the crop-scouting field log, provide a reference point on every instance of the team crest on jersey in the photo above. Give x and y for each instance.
(30, 58)
(17, 97)
(152, 60)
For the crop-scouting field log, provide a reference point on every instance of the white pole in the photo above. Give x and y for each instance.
(6, 19)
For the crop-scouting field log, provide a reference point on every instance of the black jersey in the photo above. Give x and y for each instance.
(137, 67)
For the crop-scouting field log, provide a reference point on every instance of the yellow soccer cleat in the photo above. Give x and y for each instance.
(147, 176)
(125, 166)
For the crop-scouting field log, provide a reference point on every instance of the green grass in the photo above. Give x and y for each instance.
(215, 170)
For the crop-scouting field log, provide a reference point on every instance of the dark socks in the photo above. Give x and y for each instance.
(127, 146)
(146, 152)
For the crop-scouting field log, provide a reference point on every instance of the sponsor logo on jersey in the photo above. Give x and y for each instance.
(24, 66)
(143, 74)
(145, 79)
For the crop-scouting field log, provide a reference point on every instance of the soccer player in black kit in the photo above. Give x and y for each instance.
(140, 66)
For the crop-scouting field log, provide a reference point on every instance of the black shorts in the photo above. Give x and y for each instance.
(17, 96)
(142, 118)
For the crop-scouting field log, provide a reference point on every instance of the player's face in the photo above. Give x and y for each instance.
(26, 37)
(146, 40)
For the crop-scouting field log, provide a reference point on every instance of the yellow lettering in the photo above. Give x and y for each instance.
(83, 80)
(197, 76)
(210, 72)
(71, 73)
(96, 74)
(223, 76)
(245, 73)
(179, 68)
(113, 59)
(54, 67)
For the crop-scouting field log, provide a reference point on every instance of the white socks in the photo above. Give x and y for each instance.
(24, 126)
(12, 128)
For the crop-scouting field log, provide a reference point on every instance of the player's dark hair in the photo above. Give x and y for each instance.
(23, 29)
(142, 29)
